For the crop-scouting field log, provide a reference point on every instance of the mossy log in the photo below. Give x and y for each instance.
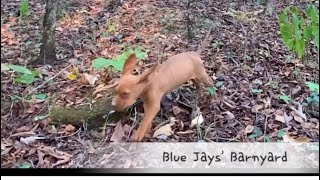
(94, 115)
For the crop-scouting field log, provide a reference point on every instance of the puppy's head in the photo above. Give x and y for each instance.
(130, 86)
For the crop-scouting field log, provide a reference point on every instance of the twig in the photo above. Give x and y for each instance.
(50, 78)
(246, 40)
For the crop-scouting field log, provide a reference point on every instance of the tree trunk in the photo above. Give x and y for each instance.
(47, 51)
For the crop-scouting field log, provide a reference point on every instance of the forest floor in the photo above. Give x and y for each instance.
(252, 70)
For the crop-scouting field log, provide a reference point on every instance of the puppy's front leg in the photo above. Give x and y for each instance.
(151, 107)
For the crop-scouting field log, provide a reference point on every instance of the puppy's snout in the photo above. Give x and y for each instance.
(113, 103)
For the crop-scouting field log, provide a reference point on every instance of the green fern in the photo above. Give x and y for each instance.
(24, 8)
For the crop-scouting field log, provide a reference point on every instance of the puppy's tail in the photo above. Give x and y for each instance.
(204, 42)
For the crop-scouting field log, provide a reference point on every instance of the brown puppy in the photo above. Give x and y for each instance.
(156, 82)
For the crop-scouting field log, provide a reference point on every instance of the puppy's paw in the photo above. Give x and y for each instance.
(136, 137)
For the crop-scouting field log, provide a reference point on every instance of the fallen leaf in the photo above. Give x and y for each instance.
(31, 132)
(267, 102)
(79, 101)
(311, 126)
(72, 76)
(288, 139)
(88, 79)
(185, 132)
(249, 129)
(176, 110)
(127, 128)
(118, 133)
(267, 112)
(197, 121)
(287, 118)
(299, 112)
(297, 117)
(4, 67)
(69, 128)
(279, 116)
(296, 90)
(31, 108)
(228, 115)
(73, 73)
(45, 122)
(62, 157)
(23, 128)
(164, 130)
(256, 108)
(31, 139)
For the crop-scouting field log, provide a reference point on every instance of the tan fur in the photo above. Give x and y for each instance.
(156, 82)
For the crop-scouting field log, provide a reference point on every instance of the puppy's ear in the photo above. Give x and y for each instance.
(129, 65)
(144, 75)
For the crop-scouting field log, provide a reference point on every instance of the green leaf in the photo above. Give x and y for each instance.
(19, 69)
(267, 139)
(281, 133)
(25, 79)
(297, 34)
(302, 23)
(15, 97)
(219, 84)
(316, 98)
(316, 40)
(285, 98)
(299, 47)
(256, 133)
(257, 81)
(314, 93)
(256, 91)
(118, 65)
(28, 43)
(101, 63)
(313, 86)
(211, 90)
(41, 96)
(296, 21)
(308, 32)
(283, 17)
(315, 32)
(24, 8)
(285, 31)
(313, 13)
(140, 54)
(4, 67)
(25, 165)
(252, 136)
(122, 57)
(309, 99)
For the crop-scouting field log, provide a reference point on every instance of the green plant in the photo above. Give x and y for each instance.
(26, 76)
(118, 61)
(256, 91)
(211, 90)
(314, 93)
(298, 27)
(24, 8)
(285, 98)
(25, 166)
(111, 27)
(256, 133)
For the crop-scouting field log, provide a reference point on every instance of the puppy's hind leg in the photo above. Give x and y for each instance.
(198, 86)
(203, 77)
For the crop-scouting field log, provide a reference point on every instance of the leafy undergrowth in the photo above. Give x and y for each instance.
(264, 93)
